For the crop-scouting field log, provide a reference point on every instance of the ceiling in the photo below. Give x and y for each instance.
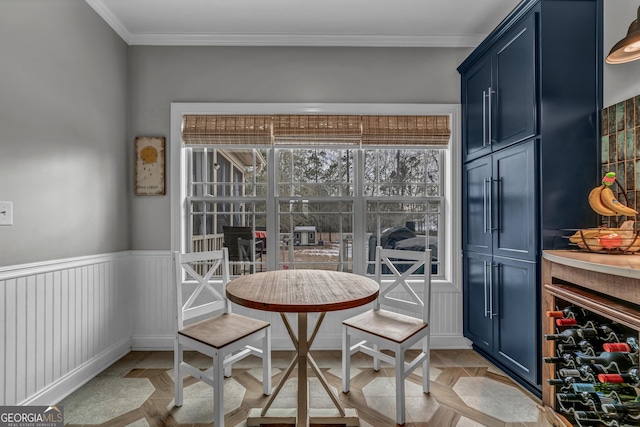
(420, 23)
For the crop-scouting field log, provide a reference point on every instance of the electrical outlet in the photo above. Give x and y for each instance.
(6, 213)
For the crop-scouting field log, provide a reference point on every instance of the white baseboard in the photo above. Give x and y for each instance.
(152, 343)
(78, 377)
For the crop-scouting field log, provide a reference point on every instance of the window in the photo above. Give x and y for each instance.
(312, 202)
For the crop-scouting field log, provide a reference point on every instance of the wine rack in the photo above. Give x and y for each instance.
(595, 368)
(581, 375)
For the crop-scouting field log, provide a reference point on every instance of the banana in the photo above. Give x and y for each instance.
(593, 244)
(576, 238)
(587, 233)
(610, 201)
(596, 203)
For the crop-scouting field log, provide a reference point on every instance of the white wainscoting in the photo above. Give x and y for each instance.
(62, 322)
(153, 316)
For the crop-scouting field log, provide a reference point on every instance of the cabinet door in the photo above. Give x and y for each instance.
(514, 311)
(476, 206)
(477, 326)
(514, 111)
(514, 221)
(476, 84)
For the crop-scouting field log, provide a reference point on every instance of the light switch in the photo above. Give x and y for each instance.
(6, 213)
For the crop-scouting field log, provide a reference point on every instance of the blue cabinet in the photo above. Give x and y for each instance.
(513, 221)
(515, 309)
(478, 325)
(496, 319)
(500, 203)
(531, 99)
(477, 205)
(499, 93)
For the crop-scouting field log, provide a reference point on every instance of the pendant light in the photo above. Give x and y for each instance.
(627, 49)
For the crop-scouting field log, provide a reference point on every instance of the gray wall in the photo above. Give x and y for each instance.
(66, 153)
(621, 81)
(63, 139)
(161, 75)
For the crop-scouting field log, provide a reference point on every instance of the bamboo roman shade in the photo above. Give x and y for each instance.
(420, 130)
(220, 129)
(267, 130)
(293, 128)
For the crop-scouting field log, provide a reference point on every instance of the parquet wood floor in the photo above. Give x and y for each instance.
(466, 391)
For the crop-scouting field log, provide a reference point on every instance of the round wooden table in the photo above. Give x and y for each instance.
(302, 292)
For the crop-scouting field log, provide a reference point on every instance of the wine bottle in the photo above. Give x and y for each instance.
(582, 346)
(568, 336)
(588, 373)
(606, 331)
(573, 322)
(589, 399)
(620, 392)
(570, 311)
(623, 408)
(631, 377)
(630, 345)
(610, 333)
(566, 359)
(574, 316)
(619, 362)
(563, 382)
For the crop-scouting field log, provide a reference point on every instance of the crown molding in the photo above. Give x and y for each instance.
(344, 40)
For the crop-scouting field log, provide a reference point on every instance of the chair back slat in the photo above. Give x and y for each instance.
(196, 294)
(202, 310)
(395, 289)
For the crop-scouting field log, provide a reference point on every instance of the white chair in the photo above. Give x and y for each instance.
(379, 329)
(216, 331)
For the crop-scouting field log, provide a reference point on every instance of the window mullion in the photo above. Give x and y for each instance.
(359, 209)
(273, 209)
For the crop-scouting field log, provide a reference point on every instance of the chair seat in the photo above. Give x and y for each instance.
(222, 330)
(386, 324)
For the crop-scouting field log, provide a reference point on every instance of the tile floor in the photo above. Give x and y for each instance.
(466, 391)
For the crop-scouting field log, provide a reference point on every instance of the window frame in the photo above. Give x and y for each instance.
(451, 267)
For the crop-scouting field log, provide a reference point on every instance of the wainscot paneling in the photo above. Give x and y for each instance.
(154, 312)
(62, 323)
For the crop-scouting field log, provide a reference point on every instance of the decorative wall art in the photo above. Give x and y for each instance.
(150, 166)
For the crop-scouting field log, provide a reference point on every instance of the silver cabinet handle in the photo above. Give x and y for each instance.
(486, 311)
(484, 205)
(490, 205)
(498, 185)
(489, 125)
(484, 118)
(491, 267)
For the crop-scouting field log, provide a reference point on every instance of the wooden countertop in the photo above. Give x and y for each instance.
(617, 265)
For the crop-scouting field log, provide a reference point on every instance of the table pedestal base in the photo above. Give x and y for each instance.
(280, 416)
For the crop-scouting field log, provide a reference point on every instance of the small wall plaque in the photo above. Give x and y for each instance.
(150, 165)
